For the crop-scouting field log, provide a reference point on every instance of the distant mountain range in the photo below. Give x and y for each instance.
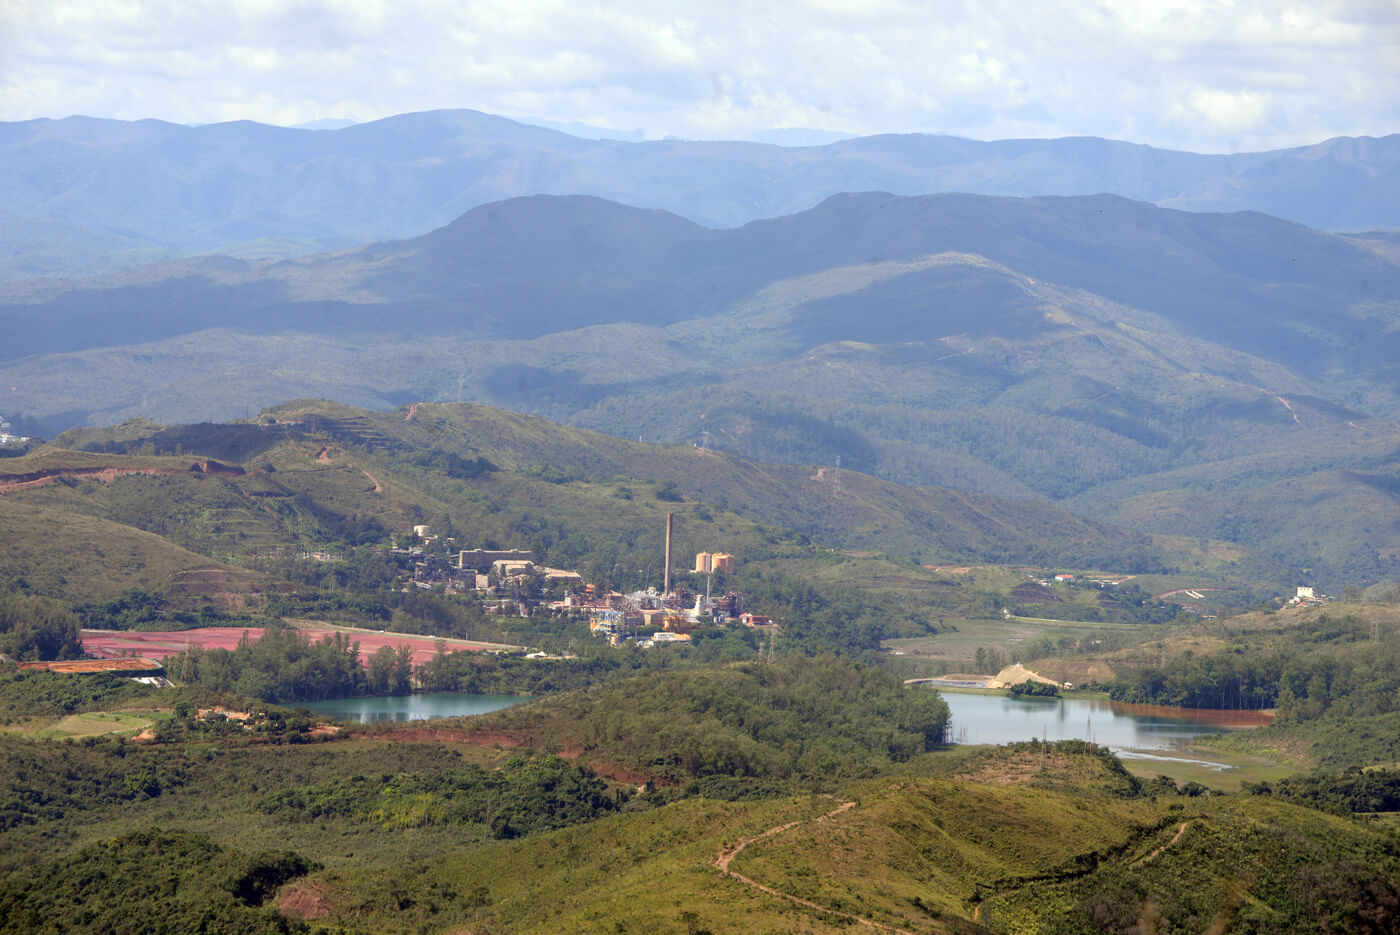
(83, 195)
(1216, 376)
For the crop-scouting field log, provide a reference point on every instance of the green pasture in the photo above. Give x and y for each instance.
(88, 724)
(961, 637)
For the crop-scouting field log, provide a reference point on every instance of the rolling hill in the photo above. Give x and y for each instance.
(316, 475)
(1190, 374)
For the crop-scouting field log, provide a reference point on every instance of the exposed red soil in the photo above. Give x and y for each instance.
(304, 900)
(1030, 593)
(442, 735)
(107, 474)
(112, 644)
(1215, 717)
(109, 644)
(627, 776)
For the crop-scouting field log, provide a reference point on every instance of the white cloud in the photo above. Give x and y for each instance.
(1194, 74)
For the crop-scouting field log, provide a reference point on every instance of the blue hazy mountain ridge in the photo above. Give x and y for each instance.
(213, 187)
(1319, 304)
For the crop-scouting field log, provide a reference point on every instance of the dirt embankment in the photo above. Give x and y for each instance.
(439, 735)
(107, 473)
(305, 900)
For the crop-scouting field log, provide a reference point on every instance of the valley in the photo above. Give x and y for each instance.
(571, 807)
(906, 533)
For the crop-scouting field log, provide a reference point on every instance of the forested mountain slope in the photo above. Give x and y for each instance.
(1218, 376)
(318, 476)
(251, 187)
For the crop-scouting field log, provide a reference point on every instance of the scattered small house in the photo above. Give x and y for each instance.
(1308, 595)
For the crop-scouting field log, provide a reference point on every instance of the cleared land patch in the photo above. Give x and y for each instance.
(111, 644)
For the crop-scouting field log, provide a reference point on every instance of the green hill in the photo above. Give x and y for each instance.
(328, 458)
(416, 829)
(1182, 374)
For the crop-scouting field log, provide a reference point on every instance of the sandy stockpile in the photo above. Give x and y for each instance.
(1015, 675)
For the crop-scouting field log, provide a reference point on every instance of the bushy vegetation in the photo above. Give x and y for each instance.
(1356, 790)
(34, 628)
(141, 609)
(1251, 866)
(815, 719)
(1033, 689)
(819, 616)
(285, 665)
(32, 692)
(453, 465)
(142, 883)
(1335, 666)
(524, 796)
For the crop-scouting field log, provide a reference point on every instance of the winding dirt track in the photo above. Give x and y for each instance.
(728, 854)
(1181, 829)
(1176, 837)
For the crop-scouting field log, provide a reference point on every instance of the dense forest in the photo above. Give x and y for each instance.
(38, 628)
(1333, 667)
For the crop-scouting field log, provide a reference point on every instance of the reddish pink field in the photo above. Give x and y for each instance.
(106, 644)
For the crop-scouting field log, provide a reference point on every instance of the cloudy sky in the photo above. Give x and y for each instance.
(1205, 75)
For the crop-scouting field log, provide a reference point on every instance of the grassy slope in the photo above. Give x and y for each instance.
(85, 558)
(864, 513)
(916, 852)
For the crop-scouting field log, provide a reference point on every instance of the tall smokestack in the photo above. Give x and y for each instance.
(666, 588)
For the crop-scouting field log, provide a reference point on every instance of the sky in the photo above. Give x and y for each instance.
(1201, 75)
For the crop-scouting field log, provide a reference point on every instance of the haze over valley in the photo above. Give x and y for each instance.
(939, 473)
(1168, 372)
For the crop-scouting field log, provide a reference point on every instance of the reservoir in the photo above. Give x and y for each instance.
(1130, 730)
(1144, 731)
(423, 707)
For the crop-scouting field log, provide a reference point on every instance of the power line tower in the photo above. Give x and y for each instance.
(836, 478)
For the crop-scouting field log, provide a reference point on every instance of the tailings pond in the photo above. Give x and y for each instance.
(1143, 731)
